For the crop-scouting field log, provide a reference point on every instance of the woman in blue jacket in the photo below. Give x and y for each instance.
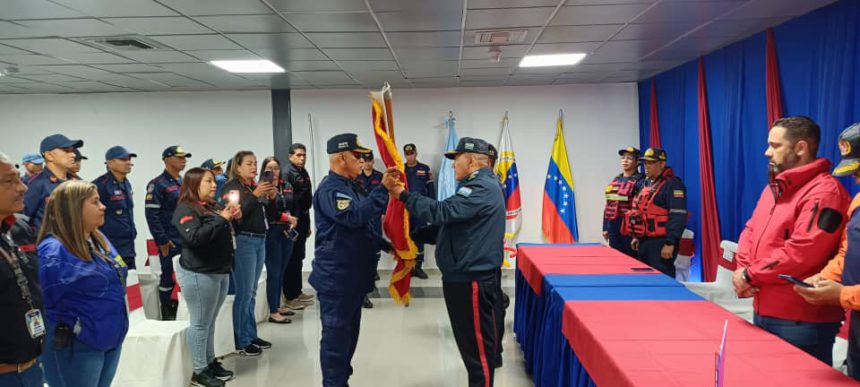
(83, 282)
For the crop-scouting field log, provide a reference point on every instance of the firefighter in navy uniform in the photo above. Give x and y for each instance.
(658, 215)
(59, 153)
(116, 194)
(162, 196)
(419, 178)
(619, 197)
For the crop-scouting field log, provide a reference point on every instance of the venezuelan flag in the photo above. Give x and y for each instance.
(506, 168)
(559, 204)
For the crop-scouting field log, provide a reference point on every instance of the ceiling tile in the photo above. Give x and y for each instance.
(197, 42)
(424, 39)
(318, 5)
(470, 35)
(159, 56)
(413, 55)
(333, 22)
(483, 63)
(129, 68)
(396, 15)
(367, 65)
(573, 34)
(286, 54)
(30, 59)
(432, 69)
(8, 50)
(507, 18)
(511, 51)
(774, 8)
(101, 8)
(597, 14)
(347, 39)
(91, 57)
(359, 54)
(623, 51)
(655, 30)
(52, 78)
(31, 70)
(434, 82)
(12, 30)
(83, 72)
(478, 4)
(46, 88)
(139, 84)
(271, 41)
(602, 67)
(35, 9)
(218, 7)
(495, 71)
(689, 48)
(437, 6)
(246, 23)
(159, 25)
(170, 79)
(736, 28)
(693, 11)
(49, 46)
(309, 65)
(71, 27)
(207, 55)
(562, 48)
(326, 77)
(89, 86)
(374, 77)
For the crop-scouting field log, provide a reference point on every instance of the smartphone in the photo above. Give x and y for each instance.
(268, 176)
(292, 234)
(233, 197)
(786, 277)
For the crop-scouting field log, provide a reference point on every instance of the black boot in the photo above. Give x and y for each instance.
(418, 272)
(366, 304)
(168, 310)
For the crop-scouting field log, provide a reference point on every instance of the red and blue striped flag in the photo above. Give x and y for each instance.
(559, 204)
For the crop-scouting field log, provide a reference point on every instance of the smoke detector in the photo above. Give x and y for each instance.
(500, 37)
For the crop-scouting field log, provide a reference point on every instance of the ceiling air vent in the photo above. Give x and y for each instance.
(500, 37)
(125, 43)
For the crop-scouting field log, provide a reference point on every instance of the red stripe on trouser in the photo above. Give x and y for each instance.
(476, 317)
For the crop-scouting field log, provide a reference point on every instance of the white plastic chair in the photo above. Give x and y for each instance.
(722, 291)
(686, 250)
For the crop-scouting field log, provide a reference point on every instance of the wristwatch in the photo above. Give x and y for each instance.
(746, 276)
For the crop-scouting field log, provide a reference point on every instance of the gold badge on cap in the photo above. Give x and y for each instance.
(649, 152)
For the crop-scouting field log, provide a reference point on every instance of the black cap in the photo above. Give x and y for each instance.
(631, 150)
(494, 152)
(654, 154)
(345, 142)
(174, 150)
(409, 148)
(55, 141)
(118, 152)
(211, 164)
(473, 145)
(849, 148)
(368, 155)
(79, 156)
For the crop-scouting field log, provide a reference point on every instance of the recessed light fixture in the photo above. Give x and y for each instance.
(551, 60)
(248, 66)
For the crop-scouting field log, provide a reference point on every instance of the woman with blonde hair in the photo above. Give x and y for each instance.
(83, 284)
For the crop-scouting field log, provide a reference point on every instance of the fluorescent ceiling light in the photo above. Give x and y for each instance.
(551, 60)
(248, 66)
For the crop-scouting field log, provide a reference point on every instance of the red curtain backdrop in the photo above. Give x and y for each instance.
(654, 139)
(772, 84)
(710, 232)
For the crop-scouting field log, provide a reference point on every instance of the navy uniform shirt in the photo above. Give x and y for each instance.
(470, 242)
(672, 197)
(162, 196)
(420, 180)
(119, 218)
(369, 182)
(346, 245)
(37, 194)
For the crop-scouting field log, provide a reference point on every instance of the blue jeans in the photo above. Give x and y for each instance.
(279, 248)
(29, 378)
(250, 255)
(204, 293)
(815, 339)
(78, 365)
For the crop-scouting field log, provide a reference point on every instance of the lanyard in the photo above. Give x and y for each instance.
(20, 279)
(97, 251)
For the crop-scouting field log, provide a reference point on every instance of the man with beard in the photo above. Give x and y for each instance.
(296, 174)
(794, 229)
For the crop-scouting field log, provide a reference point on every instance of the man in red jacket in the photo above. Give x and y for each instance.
(794, 229)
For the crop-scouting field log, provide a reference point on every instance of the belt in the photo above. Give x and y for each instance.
(252, 234)
(8, 368)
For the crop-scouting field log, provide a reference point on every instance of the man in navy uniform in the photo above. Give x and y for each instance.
(76, 167)
(162, 196)
(59, 153)
(659, 214)
(369, 178)
(116, 194)
(33, 164)
(220, 178)
(344, 258)
(419, 178)
(619, 198)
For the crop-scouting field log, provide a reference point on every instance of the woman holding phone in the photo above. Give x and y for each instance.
(252, 199)
(279, 239)
(204, 268)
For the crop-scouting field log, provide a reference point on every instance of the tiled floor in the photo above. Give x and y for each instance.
(398, 347)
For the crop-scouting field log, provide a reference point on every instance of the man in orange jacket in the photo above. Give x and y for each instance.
(839, 283)
(794, 229)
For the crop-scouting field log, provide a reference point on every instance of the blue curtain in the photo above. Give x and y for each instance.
(819, 59)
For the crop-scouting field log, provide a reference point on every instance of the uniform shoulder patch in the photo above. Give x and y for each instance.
(185, 219)
(464, 191)
(342, 201)
(150, 188)
(678, 193)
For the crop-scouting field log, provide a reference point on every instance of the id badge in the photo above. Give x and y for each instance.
(35, 323)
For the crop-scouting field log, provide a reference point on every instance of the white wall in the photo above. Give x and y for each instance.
(599, 120)
(145, 123)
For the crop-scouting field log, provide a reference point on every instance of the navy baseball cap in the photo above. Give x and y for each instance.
(368, 155)
(55, 141)
(79, 156)
(174, 150)
(34, 158)
(211, 164)
(409, 148)
(849, 148)
(118, 152)
(345, 142)
(631, 150)
(654, 154)
(473, 145)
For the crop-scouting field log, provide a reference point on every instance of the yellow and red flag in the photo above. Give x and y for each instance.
(396, 220)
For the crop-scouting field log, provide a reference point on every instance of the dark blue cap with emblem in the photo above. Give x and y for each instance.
(345, 142)
(654, 154)
(472, 145)
(849, 148)
(79, 156)
(118, 152)
(631, 151)
(174, 150)
(211, 164)
(32, 158)
(55, 141)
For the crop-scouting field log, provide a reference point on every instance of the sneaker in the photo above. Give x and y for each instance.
(419, 273)
(218, 371)
(295, 304)
(306, 297)
(366, 304)
(205, 379)
(261, 343)
(251, 350)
